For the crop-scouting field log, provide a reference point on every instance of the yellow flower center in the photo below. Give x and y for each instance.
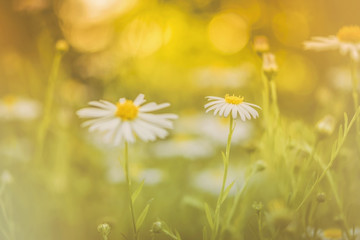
(349, 34)
(233, 99)
(127, 110)
(333, 233)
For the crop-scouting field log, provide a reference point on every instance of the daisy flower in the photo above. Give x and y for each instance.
(127, 119)
(232, 104)
(18, 108)
(347, 40)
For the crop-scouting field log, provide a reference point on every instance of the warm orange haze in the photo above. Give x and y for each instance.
(179, 119)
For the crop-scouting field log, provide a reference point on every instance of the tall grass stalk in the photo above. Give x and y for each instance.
(128, 184)
(48, 104)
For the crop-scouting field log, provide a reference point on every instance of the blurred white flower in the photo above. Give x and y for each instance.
(184, 147)
(347, 40)
(208, 130)
(127, 119)
(18, 108)
(210, 180)
(150, 176)
(6, 177)
(231, 104)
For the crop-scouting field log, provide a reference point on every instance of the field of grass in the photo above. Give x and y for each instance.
(179, 119)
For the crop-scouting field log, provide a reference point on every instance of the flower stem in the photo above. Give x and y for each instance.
(128, 183)
(221, 196)
(49, 99)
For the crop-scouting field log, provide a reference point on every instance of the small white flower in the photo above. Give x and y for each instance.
(19, 108)
(232, 104)
(127, 119)
(347, 41)
(210, 180)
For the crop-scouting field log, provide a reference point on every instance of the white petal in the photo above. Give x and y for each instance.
(218, 108)
(128, 135)
(240, 111)
(142, 132)
(221, 112)
(234, 112)
(159, 132)
(139, 99)
(157, 119)
(94, 112)
(228, 110)
(213, 102)
(103, 104)
(245, 111)
(213, 107)
(216, 98)
(153, 107)
(252, 111)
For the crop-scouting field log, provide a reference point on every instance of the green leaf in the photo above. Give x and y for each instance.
(209, 215)
(137, 192)
(226, 192)
(142, 216)
(177, 234)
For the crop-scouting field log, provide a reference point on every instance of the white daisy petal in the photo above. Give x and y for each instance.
(94, 112)
(241, 113)
(245, 111)
(213, 102)
(227, 110)
(139, 99)
(149, 107)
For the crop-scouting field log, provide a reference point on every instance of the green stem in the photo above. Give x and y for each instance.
(49, 99)
(334, 154)
(274, 100)
(337, 199)
(226, 165)
(236, 201)
(128, 183)
(260, 225)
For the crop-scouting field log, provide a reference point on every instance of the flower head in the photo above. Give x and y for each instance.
(14, 107)
(347, 40)
(231, 104)
(127, 119)
(261, 44)
(269, 63)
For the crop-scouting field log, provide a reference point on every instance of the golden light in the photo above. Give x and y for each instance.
(290, 28)
(228, 33)
(143, 37)
(296, 74)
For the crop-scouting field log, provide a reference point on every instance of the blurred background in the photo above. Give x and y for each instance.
(176, 51)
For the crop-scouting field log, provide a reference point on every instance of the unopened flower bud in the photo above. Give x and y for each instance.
(325, 127)
(157, 227)
(269, 66)
(62, 46)
(260, 166)
(261, 44)
(321, 197)
(258, 206)
(104, 229)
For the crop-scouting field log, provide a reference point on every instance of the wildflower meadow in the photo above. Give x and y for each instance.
(179, 120)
